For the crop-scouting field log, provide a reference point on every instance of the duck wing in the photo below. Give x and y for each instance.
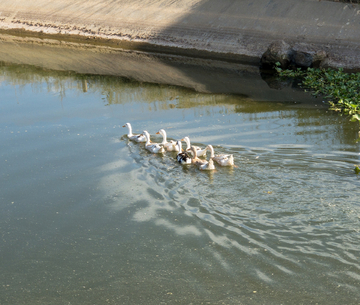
(155, 148)
(183, 157)
(224, 160)
(139, 138)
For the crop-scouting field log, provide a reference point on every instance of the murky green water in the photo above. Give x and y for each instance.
(88, 217)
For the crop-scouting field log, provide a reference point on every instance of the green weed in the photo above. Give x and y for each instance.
(340, 89)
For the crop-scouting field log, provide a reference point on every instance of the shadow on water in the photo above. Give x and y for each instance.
(201, 75)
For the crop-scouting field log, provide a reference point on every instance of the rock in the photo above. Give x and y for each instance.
(319, 58)
(302, 59)
(305, 55)
(300, 55)
(278, 51)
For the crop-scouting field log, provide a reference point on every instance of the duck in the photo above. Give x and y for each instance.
(182, 157)
(152, 147)
(222, 159)
(134, 137)
(200, 152)
(169, 146)
(201, 164)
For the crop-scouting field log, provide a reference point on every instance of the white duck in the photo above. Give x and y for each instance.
(169, 146)
(182, 157)
(202, 164)
(134, 137)
(200, 152)
(222, 159)
(152, 147)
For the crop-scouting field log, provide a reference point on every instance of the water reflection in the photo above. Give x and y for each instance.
(154, 98)
(84, 207)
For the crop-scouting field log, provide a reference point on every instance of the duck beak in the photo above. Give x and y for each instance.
(158, 133)
(124, 125)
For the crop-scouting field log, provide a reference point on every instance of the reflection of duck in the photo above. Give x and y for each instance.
(169, 146)
(152, 147)
(200, 152)
(134, 137)
(182, 157)
(202, 164)
(222, 159)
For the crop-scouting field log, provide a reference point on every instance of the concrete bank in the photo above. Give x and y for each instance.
(237, 31)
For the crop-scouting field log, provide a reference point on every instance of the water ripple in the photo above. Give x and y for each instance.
(286, 204)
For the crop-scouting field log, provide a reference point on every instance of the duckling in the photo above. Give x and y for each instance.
(222, 159)
(200, 152)
(201, 164)
(153, 147)
(182, 157)
(169, 146)
(134, 137)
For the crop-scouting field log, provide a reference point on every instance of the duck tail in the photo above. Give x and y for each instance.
(231, 159)
(211, 164)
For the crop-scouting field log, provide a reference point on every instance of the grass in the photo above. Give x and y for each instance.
(340, 89)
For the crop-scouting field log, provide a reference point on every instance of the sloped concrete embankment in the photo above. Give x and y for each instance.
(239, 31)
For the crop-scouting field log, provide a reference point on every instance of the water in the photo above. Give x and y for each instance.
(88, 217)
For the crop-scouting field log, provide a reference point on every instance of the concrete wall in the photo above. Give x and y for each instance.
(226, 29)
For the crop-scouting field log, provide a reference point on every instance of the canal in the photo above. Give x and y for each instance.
(89, 217)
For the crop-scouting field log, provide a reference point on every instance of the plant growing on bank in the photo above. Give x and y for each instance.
(347, 1)
(340, 88)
